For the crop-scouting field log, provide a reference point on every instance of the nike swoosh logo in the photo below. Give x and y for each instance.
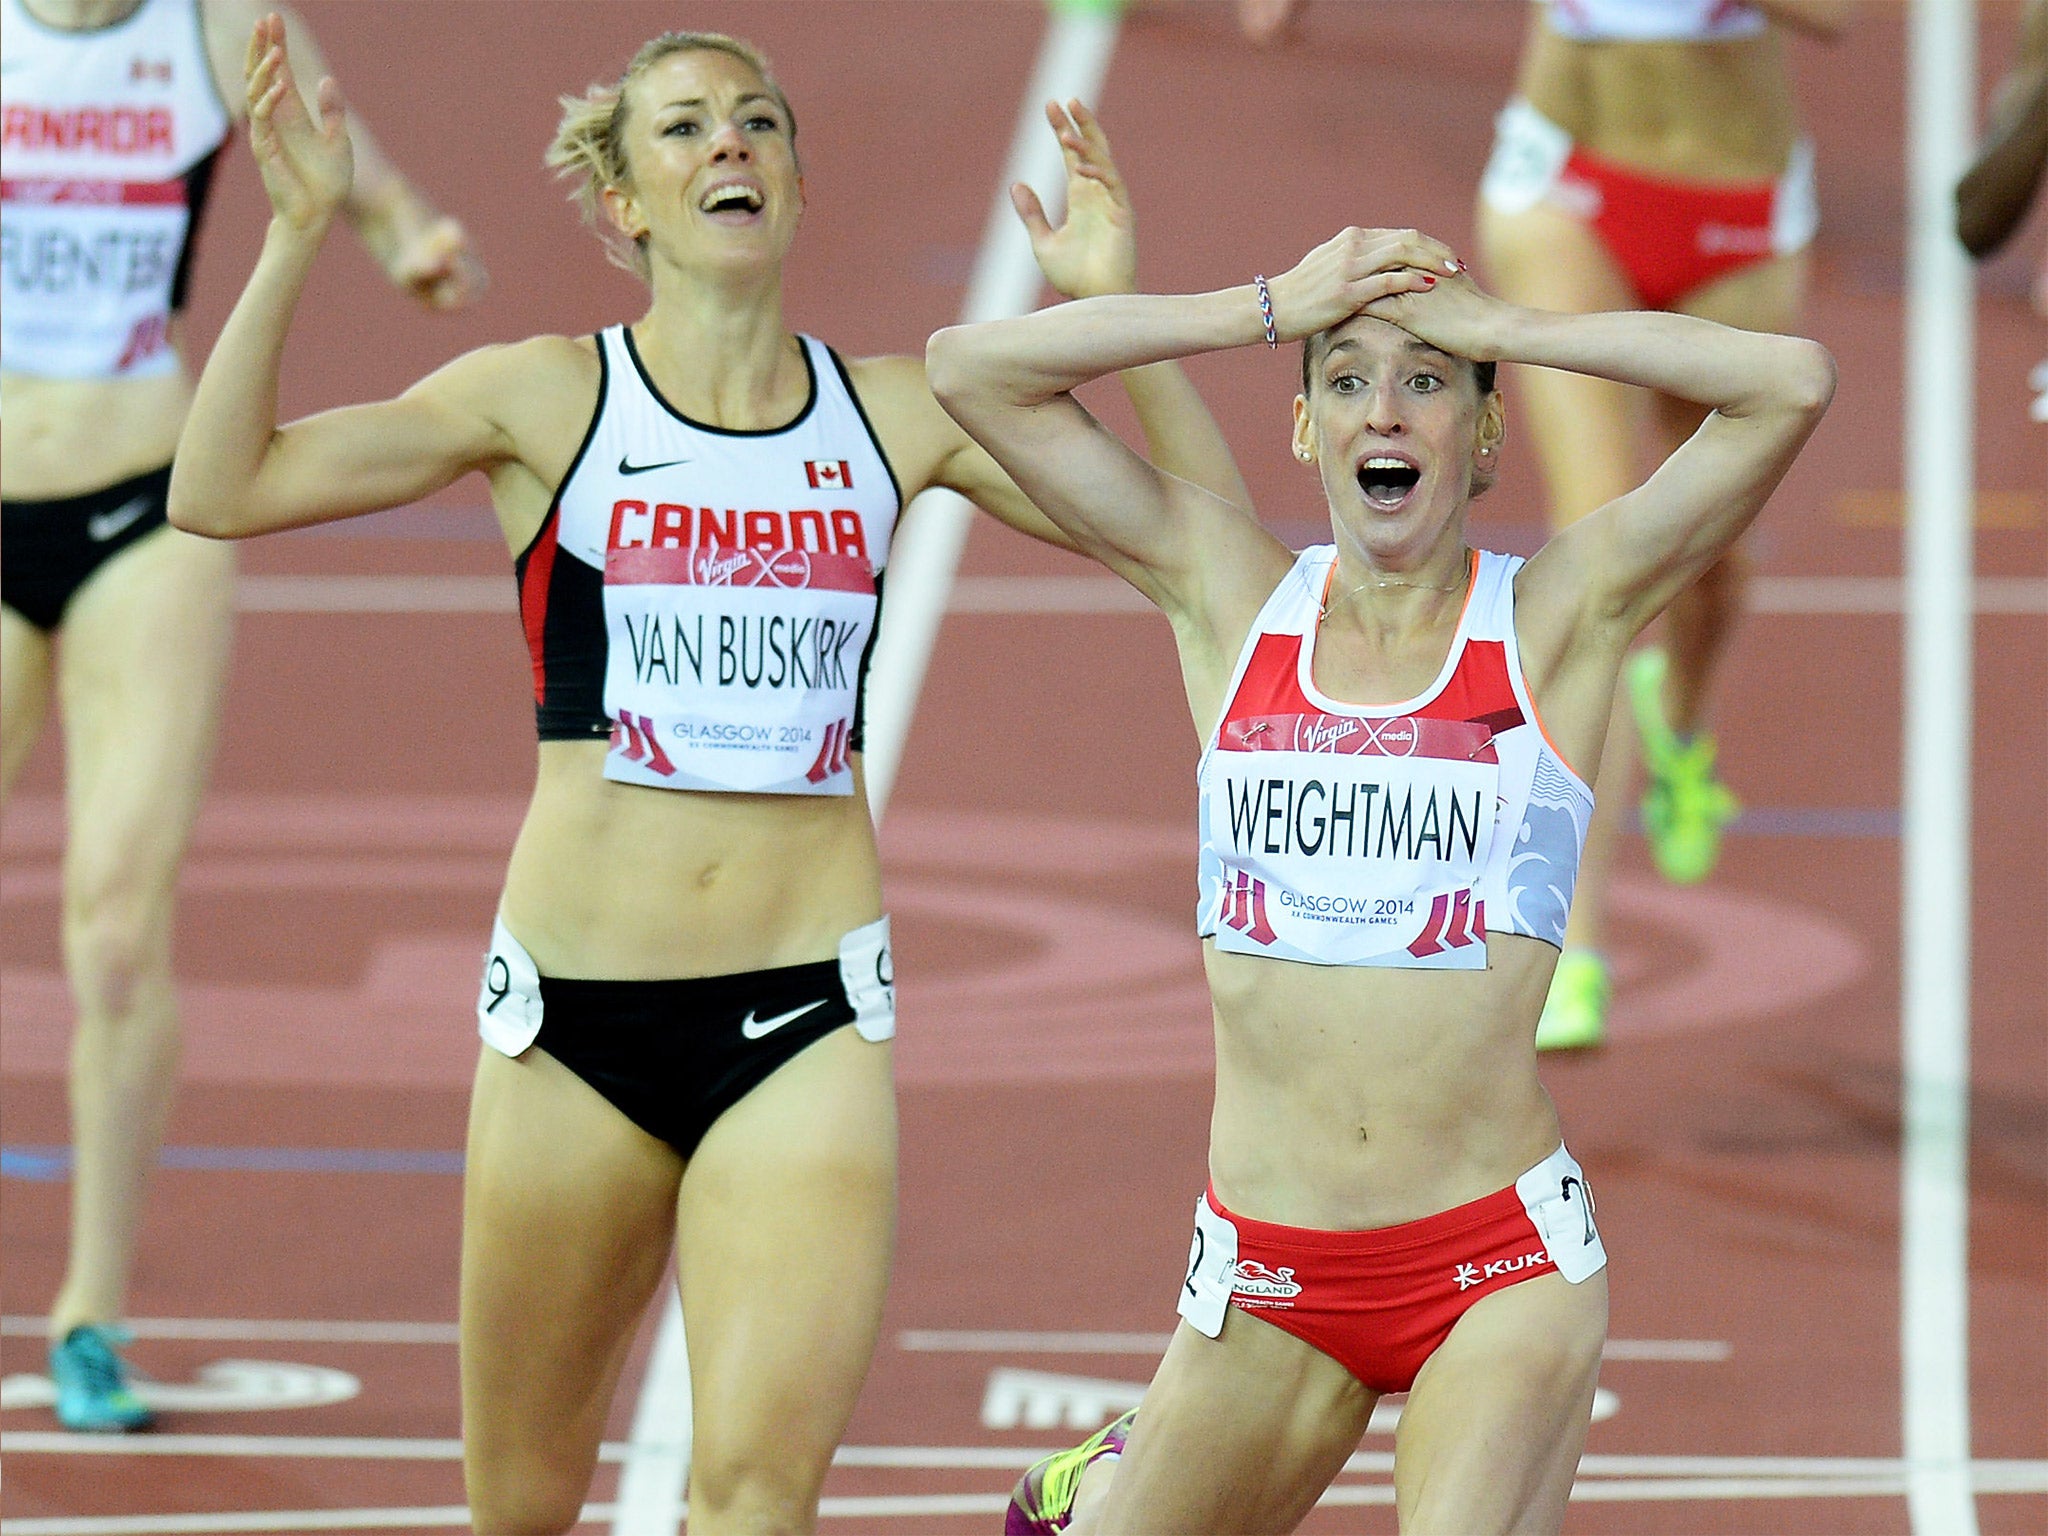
(754, 1028)
(641, 469)
(102, 526)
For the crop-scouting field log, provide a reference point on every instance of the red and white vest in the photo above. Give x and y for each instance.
(1387, 835)
(707, 598)
(107, 146)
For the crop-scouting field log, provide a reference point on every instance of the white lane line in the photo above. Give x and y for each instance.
(1073, 59)
(1885, 1480)
(1815, 596)
(1024, 1342)
(257, 1330)
(657, 1458)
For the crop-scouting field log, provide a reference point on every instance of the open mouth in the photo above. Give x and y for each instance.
(1387, 481)
(732, 202)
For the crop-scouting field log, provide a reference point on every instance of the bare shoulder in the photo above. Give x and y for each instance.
(225, 26)
(915, 430)
(537, 394)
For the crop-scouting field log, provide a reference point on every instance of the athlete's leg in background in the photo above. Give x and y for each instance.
(1490, 1438)
(1238, 1433)
(25, 661)
(1583, 432)
(1701, 621)
(785, 1230)
(142, 663)
(567, 1212)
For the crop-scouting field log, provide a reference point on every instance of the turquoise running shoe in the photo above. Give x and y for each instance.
(91, 1378)
(1042, 1504)
(1685, 808)
(1575, 1012)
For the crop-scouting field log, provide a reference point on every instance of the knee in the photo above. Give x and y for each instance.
(116, 942)
(523, 1502)
(748, 1492)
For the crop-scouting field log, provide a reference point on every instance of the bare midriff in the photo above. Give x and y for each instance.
(619, 882)
(1694, 111)
(68, 437)
(1355, 1097)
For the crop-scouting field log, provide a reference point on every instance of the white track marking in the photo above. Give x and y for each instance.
(657, 1458)
(1073, 58)
(1935, 920)
(223, 1386)
(256, 1330)
(1818, 596)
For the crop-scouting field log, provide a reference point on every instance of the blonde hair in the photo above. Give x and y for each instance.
(589, 148)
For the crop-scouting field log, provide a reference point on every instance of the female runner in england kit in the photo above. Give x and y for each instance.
(1651, 159)
(687, 1004)
(1400, 735)
(115, 112)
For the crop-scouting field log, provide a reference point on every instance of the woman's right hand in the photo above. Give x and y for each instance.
(307, 167)
(1344, 274)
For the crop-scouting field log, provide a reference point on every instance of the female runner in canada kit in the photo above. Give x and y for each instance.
(1384, 884)
(1651, 159)
(687, 1002)
(115, 111)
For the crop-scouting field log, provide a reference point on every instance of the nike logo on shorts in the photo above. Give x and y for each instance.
(102, 526)
(754, 1028)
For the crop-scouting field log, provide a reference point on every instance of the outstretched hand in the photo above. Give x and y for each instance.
(1095, 249)
(1353, 270)
(435, 262)
(307, 166)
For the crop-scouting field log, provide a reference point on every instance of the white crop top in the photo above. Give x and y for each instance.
(1385, 835)
(109, 144)
(1648, 21)
(707, 598)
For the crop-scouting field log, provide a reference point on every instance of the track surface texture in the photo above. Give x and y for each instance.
(1742, 1126)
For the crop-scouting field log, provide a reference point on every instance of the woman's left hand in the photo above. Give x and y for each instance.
(431, 257)
(1095, 250)
(1454, 315)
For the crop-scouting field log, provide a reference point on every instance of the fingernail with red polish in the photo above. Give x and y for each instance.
(1429, 279)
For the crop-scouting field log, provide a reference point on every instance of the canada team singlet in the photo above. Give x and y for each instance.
(1385, 835)
(707, 598)
(109, 139)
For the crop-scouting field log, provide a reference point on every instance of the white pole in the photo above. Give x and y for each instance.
(1935, 901)
(1072, 61)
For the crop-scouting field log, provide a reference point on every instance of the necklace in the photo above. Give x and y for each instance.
(1391, 581)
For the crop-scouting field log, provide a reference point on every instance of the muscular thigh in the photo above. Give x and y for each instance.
(1491, 1435)
(1238, 1433)
(568, 1209)
(1581, 429)
(786, 1225)
(142, 664)
(24, 692)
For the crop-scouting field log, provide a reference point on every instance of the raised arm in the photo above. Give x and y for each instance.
(236, 472)
(1764, 393)
(1994, 194)
(1824, 19)
(1010, 383)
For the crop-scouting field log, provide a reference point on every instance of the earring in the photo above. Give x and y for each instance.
(1303, 454)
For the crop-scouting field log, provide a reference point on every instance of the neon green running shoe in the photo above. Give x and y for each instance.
(1042, 1504)
(1575, 1012)
(1685, 808)
(91, 1378)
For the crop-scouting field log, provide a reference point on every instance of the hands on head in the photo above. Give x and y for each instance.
(1398, 275)
(308, 168)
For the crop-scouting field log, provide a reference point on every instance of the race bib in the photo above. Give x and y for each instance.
(735, 669)
(868, 972)
(1212, 1270)
(508, 1007)
(1559, 1204)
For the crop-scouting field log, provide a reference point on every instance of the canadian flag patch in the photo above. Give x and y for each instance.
(828, 474)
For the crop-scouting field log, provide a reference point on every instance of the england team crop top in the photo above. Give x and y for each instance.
(110, 138)
(705, 598)
(1646, 21)
(1385, 835)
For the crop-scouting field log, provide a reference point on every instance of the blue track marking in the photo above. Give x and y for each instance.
(52, 1164)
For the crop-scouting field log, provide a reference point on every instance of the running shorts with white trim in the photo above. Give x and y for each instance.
(1379, 1302)
(674, 1055)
